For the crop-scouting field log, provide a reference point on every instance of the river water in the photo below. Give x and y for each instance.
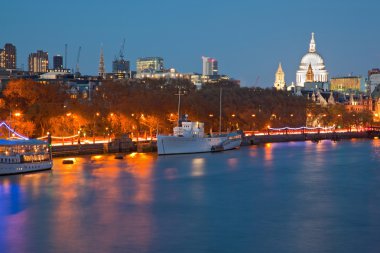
(288, 197)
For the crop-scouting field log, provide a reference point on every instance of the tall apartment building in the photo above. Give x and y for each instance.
(210, 66)
(38, 62)
(57, 62)
(8, 56)
(149, 64)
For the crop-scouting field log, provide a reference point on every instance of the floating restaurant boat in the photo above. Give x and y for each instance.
(21, 156)
(189, 137)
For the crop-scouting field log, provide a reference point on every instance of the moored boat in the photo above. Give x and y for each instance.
(189, 137)
(21, 156)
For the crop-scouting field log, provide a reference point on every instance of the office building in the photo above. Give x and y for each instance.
(347, 84)
(120, 66)
(39, 62)
(210, 66)
(149, 64)
(373, 82)
(57, 62)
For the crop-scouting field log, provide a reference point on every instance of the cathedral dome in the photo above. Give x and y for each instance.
(314, 59)
(315, 62)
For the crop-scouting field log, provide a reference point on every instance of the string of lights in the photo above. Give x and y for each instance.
(301, 128)
(58, 137)
(13, 131)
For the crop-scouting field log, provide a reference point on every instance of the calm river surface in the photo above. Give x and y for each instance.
(290, 197)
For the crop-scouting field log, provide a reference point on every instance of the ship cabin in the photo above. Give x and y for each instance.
(24, 151)
(190, 129)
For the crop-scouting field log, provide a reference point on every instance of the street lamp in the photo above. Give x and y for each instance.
(93, 130)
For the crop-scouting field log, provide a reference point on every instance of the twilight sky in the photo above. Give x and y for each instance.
(248, 37)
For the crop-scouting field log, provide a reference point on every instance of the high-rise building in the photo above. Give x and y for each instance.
(57, 62)
(120, 66)
(373, 81)
(210, 66)
(317, 64)
(8, 56)
(149, 64)
(279, 83)
(39, 62)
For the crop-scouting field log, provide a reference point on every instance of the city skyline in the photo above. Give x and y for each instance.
(247, 39)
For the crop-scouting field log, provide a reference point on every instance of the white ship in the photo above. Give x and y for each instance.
(20, 156)
(189, 137)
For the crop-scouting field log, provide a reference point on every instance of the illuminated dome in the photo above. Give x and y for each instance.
(317, 64)
(314, 59)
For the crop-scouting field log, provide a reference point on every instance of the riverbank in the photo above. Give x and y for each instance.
(127, 146)
(315, 137)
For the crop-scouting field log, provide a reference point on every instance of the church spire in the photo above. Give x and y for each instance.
(312, 48)
(102, 70)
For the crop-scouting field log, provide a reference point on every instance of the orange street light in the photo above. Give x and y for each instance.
(17, 114)
(233, 115)
(253, 115)
(211, 115)
(97, 114)
(291, 115)
(68, 114)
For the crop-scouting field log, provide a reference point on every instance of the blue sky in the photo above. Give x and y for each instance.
(249, 38)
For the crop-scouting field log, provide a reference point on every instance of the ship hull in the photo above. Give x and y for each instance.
(168, 145)
(17, 168)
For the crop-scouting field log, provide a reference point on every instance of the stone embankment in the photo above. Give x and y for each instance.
(315, 137)
(125, 145)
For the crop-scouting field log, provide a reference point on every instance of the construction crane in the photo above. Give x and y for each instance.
(77, 73)
(66, 56)
(257, 81)
(121, 53)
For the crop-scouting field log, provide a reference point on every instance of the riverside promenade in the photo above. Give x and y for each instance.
(314, 137)
(126, 145)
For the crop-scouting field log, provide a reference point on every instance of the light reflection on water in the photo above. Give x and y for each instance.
(306, 197)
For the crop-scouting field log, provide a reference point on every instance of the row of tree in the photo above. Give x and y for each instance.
(150, 106)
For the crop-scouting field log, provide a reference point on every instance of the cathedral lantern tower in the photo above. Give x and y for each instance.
(309, 75)
(313, 58)
(279, 83)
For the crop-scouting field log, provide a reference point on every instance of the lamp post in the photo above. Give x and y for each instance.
(16, 114)
(211, 116)
(93, 130)
(253, 121)
(79, 137)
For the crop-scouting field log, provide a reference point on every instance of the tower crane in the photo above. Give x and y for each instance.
(257, 81)
(121, 53)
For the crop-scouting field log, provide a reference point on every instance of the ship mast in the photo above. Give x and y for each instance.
(179, 103)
